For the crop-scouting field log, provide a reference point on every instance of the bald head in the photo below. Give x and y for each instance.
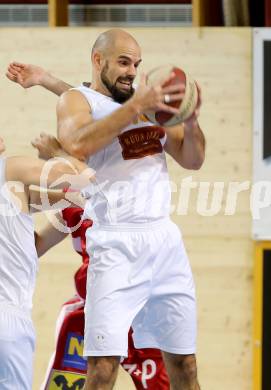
(115, 58)
(110, 39)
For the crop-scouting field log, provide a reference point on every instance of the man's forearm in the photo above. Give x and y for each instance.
(54, 85)
(192, 151)
(82, 137)
(48, 237)
(92, 137)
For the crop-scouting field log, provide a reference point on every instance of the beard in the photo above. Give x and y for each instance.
(118, 95)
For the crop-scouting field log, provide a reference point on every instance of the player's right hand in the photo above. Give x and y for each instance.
(26, 75)
(152, 98)
(48, 146)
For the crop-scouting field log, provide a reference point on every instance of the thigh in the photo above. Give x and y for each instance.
(167, 323)
(118, 286)
(168, 320)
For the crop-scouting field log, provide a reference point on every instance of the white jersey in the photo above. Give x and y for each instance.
(132, 183)
(18, 255)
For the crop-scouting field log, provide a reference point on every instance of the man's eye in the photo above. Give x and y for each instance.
(124, 63)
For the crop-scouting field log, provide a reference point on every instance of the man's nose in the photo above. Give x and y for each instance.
(132, 70)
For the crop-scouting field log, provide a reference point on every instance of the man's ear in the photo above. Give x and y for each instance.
(97, 60)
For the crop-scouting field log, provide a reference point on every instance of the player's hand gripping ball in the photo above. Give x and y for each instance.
(186, 105)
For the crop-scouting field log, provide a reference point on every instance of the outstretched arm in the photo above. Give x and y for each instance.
(49, 147)
(30, 171)
(41, 199)
(28, 76)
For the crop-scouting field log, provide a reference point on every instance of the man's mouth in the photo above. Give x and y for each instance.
(125, 84)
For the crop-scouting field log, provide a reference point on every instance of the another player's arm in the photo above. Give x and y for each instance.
(49, 236)
(48, 147)
(37, 197)
(22, 172)
(81, 136)
(28, 170)
(28, 75)
(186, 142)
(53, 84)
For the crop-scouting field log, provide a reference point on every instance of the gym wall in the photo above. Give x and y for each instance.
(219, 246)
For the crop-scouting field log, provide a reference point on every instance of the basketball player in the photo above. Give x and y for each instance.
(142, 275)
(18, 265)
(139, 272)
(145, 366)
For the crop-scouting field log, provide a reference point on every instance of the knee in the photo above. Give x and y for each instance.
(187, 367)
(103, 370)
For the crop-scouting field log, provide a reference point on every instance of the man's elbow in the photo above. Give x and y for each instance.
(197, 164)
(194, 164)
(73, 148)
(76, 150)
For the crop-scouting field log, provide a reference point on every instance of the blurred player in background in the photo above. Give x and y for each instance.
(18, 256)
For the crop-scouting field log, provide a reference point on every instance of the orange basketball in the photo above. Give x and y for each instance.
(186, 106)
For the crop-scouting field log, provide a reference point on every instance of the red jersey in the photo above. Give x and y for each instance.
(73, 217)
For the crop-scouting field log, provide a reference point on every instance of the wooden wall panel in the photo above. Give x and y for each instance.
(207, 13)
(99, 2)
(220, 247)
(58, 13)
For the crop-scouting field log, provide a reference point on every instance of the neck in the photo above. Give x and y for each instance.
(99, 87)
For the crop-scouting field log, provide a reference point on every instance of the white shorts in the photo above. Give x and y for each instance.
(17, 340)
(139, 276)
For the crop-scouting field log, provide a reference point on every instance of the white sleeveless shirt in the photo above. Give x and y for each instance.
(18, 255)
(132, 183)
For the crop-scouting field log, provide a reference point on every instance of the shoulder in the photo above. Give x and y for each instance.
(73, 99)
